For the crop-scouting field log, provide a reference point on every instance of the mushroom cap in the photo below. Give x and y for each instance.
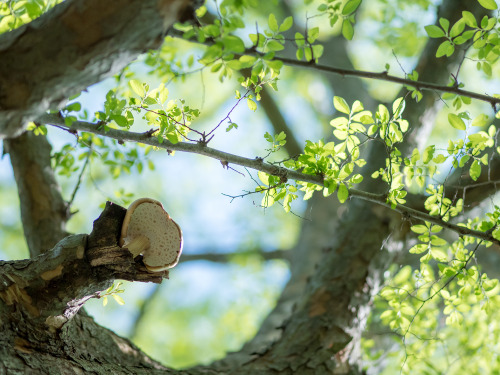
(146, 217)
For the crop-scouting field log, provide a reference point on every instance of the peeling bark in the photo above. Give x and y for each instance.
(40, 300)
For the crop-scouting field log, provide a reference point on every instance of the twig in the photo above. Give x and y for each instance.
(79, 181)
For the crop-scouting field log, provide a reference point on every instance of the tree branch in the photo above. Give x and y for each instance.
(71, 47)
(445, 11)
(52, 287)
(384, 76)
(260, 165)
(226, 257)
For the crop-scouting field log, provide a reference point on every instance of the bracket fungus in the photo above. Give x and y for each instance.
(148, 230)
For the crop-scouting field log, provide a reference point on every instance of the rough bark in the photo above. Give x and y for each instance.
(40, 299)
(73, 46)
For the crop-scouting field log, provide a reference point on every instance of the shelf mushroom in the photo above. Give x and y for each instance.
(148, 230)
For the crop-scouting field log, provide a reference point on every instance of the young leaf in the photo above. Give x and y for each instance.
(475, 170)
(341, 105)
(456, 121)
(350, 7)
(434, 31)
(347, 29)
(119, 299)
(342, 193)
(488, 4)
(481, 120)
(251, 104)
(286, 25)
(137, 87)
(273, 24)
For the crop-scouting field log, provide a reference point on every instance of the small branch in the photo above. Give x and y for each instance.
(259, 165)
(80, 176)
(382, 76)
(226, 257)
(229, 113)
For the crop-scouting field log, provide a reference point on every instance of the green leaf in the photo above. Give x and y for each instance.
(440, 159)
(420, 229)
(418, 249)
(341, 105)
(299, 39)
(73, 107)
(350, 7)
(428, 154)
(347, 29)
(286, 25)
(445, 24)
(119, 299)
(457, 28)
(463, 160)
(233, 43)
(446, 48)
(318, 51)
(434, 31)
(456, 121)
(273, 24)
(274, 45)
(469, 19)
(264, 177)
(120, 120)
(137, 87)
(475, 170)
(488, 4)
(481, 120)
(398, 107)
(343, 193)
(251, 104)
(496, 234)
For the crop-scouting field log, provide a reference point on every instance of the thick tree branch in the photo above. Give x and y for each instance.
(71, 47)
(260, 165)
(43, 211)
(52, 287)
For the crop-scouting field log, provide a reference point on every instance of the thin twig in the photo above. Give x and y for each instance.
(80, 176)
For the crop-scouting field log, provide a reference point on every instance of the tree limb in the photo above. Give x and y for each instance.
(226, 257)
(45, 287)
(260, 165)
(73, 46)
